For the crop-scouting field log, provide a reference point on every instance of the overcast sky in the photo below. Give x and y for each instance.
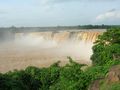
(58, 12)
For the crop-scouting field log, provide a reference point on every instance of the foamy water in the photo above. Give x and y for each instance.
(38, 50)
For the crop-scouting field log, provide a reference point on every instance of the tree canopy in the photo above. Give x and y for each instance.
(107, 47)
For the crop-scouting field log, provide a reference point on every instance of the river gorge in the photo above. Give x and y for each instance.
(43, 48)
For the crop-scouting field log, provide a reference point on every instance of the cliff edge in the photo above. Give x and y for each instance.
(110, 82)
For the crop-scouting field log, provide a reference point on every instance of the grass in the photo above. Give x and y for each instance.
(112, 86)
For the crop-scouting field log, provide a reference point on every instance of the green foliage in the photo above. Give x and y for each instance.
(49, 76)
(8, 83)
(68, 77)
(72, 78)
(27, 80)
(107, 47)
(112, 86)
(96, 72)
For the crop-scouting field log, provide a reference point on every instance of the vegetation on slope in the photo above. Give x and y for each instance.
(71, 76)
(107, 48)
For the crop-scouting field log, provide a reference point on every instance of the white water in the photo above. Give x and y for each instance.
(42, 50)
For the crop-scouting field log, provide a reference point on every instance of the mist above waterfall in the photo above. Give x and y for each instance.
(42, 49)
(66, 48)
(35, 42)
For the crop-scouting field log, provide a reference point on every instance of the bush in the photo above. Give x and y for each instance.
(107, 47)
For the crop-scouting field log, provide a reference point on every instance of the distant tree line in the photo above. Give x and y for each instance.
(97, 26)
(103, 26)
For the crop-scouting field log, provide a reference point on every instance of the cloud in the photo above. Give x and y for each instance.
(61, 1)
(48, 4)
(77, 0)
(111, 14)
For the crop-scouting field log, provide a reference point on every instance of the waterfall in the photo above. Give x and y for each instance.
(42, 49)
(63, 36)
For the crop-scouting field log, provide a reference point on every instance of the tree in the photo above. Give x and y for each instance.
(107, 47)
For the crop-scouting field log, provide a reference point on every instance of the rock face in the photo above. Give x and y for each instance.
(95, 85)
(113, 76)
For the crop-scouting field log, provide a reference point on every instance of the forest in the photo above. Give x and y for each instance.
(72, 76)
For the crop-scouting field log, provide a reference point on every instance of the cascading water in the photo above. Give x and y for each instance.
(61, 36)
(42, 49)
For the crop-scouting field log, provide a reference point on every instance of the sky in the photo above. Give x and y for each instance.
(58, 12)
